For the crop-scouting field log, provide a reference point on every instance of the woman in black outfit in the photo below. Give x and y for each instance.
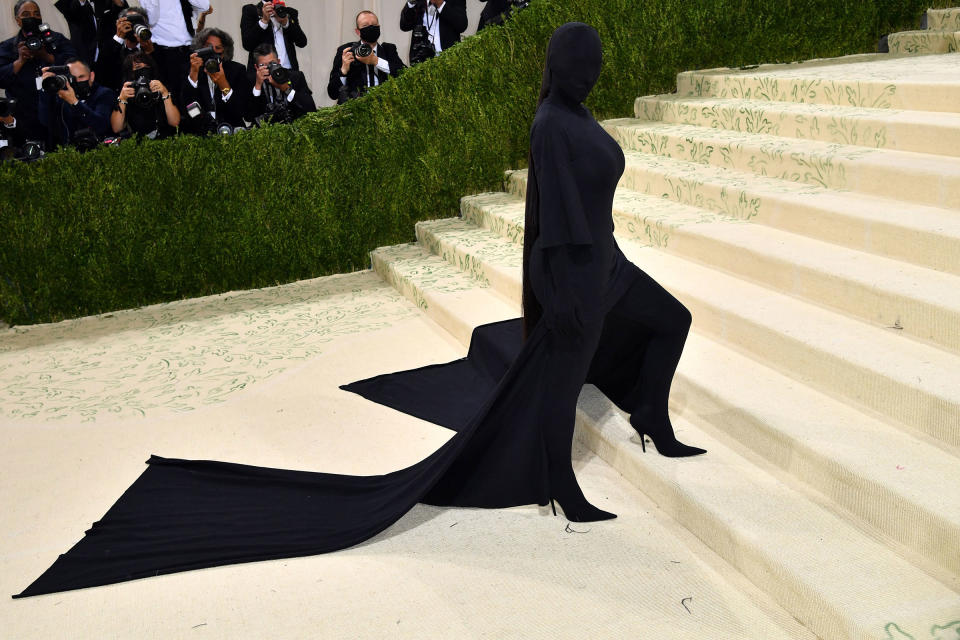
(589, 315)
(156, 120)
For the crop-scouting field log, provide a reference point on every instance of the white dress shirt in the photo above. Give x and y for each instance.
(278, 42)
(431, 20)
(166, 21)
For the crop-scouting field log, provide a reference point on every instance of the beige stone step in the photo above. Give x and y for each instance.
(912, 383)
(943, 19)
(923, 42)
(901, 175)
(920, 131)
(925, 236)
(877, 81)
(837, 581)
(922, 303)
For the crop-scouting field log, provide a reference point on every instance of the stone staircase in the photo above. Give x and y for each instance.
(941, 35)
(809, 217)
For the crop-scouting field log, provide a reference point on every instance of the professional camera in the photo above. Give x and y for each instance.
(280, 8)
(59, 81)
(211, 59)
(420, 46)
(139, 24)
(279, 73)
(30, 151)
(37, 36)
(143, 96)
(7, 107)
(361, 49)
(85, 139)
(274, 112)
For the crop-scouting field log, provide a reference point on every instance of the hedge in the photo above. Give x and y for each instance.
(137, 224)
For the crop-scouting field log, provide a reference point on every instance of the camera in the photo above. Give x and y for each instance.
(39, 36)
(139, 24)
(7, 107)
(280, 8)
(211, 59)
(421, 48)
(143, 96)
(361, 49)
(279, 73)
(59, 81)
(85, 139)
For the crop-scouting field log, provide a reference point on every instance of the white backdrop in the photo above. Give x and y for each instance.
(327, 23)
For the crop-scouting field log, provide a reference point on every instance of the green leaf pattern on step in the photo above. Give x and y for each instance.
(410, 270)
(855, 126)
(184, 355)
(949, 631)
(943, 19)
(923, 42)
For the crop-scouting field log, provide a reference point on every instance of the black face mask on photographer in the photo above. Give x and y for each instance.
(82, 89)
(370, 34)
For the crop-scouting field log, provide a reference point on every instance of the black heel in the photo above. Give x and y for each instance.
(661, 433)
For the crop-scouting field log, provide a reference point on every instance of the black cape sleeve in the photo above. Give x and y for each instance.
(561, 214)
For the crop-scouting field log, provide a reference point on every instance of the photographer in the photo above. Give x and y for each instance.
(279, 94)
(21, 57)
(275, 24)
(352, 73)
(131, 35)
(171, 22)
(92, 24)
(442, 22)
(145, 106)
(216, 83)
(10, 139)
(74, 109)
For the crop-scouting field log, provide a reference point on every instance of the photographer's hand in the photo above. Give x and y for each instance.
(346, 57)
(267, 12)
(68, 95)
(123, 27)
(370, 59)
(195, 63)
(220, 79)
(24, 56)
(157, 87)
(126, 93)
(263, 73)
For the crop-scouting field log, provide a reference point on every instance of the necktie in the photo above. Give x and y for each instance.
(371, 79)
(187, 15)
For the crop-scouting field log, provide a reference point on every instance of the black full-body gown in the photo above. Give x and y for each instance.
(591, 316)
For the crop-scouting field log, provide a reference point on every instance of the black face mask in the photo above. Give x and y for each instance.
(30, 25)
(82, 89)
(574, 58)
(370, 34)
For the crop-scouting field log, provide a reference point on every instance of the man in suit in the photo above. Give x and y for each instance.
(444, 20)
(222, 94)
(123, 43)
(92, 24)
(275, 24)
(80, 106)
(20, 65)
(275, 99)
(350, 75)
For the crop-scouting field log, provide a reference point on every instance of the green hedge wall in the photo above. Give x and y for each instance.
(143, 223)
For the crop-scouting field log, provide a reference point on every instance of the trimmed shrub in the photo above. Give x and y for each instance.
(143, 223)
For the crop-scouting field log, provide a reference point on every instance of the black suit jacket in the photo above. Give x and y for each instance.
(491, 10)
(453, 20)
(357, 74)
(302, 98)
(109, 73)
(252, 35)
(83, 34)
(231, 111)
